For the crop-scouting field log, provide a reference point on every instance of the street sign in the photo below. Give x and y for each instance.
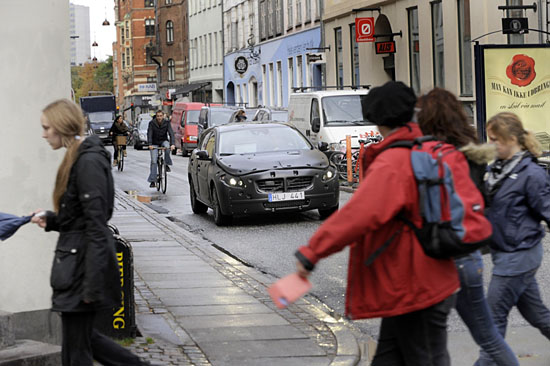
(316, 58)
(364, 29)
(385, 47)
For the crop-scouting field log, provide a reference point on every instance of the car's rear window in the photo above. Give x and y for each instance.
(261, 140)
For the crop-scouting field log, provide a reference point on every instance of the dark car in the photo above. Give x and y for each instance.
(249, 168)
(139, 134)
(214, 115)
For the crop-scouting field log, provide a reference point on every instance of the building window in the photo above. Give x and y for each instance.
(279, 16)
(171, 70)
(271, 18)
(354, 48)
(123, 60)
(211, 56)
(414, 50)
(339, 61)
(169, 32)
(262, 19)
(149, 27)
(298, 12)
(233, 35)
(308, 11)
(290, 16)
(516, 13)
(279, 84)
(271, 85)
(151, 79)
(290, 74)
(149, 3)
(299, 69)
(437, 44)
(318, 9)
(264, 85)
(465, 48)
(128, 57)
(122, 36)
(168, 2)
(127, 28)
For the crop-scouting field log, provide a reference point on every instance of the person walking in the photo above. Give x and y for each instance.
(411, 292)
(118, 128)
(441, 115)
(159, 133)
(84, 275)
(518, 195)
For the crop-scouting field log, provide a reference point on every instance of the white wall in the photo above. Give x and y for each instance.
(34, 72)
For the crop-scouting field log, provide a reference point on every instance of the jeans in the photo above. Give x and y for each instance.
(82, 344)
(474, 311)
(154, 154)
(523, 292)
(415, 339)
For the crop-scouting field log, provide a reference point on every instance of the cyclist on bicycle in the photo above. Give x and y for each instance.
(118, 128)
(159, 133)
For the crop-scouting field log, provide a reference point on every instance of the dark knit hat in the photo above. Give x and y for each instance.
(391, 104)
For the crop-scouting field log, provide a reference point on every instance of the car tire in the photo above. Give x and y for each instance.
(136, 146)
(219, 218)
(184, 152)
(325, 213)
(197, 206)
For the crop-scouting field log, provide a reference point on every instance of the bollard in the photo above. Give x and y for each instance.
(120, 321)
(348, 159)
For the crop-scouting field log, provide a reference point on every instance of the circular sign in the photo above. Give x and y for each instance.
(521, 71)
(241, 64)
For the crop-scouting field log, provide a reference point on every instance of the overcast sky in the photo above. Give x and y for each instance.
(103, 35)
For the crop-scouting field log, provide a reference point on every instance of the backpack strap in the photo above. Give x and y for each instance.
(409, 144)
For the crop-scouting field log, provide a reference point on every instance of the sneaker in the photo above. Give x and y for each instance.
(125, 155)
(152, 185)
(115, 162)
(168, 170)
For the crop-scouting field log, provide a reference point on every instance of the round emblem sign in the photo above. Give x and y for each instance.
(521, 70)
(241, 64)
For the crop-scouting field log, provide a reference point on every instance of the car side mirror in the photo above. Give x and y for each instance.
(202, 155)
(316, 124)
(323, 146)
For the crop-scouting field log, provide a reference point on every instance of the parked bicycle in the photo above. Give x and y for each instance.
(121, 141)
(162, 176)
(339, 158)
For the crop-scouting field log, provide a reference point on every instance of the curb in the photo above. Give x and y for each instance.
(348, 352)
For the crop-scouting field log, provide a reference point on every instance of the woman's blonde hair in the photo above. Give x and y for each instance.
(68, 122)
(505, 125)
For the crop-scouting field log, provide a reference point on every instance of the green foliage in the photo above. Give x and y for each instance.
(92, 76)
(149, 340)
(125, 342)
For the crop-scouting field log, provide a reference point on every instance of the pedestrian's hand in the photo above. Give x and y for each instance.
(172, 147)
(39, 220)
(301, 271)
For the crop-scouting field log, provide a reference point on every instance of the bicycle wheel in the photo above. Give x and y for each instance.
(339, 160)
(160, 168)
(164, 177)
(120, 160)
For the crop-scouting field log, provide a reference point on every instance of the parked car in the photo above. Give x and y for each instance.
(185, 120)
(271, 114)
(214, 115)
(139, 134)
(250, 168)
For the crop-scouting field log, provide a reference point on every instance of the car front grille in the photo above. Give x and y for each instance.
(290, 184)
(286, 204)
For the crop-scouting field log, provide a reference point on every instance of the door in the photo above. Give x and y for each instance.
(204, 166)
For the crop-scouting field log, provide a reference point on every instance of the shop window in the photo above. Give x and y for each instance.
(438, 53)
(465, 48)
(414, 49)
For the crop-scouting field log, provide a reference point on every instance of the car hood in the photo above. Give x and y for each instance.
(242, 164)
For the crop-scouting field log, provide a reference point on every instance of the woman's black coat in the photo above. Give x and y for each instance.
(85, 273)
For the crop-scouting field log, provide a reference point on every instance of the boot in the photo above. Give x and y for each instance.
(115, 162)
(124, 151)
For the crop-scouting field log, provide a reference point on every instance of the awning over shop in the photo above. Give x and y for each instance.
(186, 89)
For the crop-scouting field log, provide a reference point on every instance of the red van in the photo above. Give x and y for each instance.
(185, 118)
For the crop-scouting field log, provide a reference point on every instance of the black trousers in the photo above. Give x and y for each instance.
(115, 148)
(415, 339)
(82, 344)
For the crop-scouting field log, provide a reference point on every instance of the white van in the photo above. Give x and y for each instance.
(328, 116)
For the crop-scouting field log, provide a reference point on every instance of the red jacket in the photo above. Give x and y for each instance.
(402, 279)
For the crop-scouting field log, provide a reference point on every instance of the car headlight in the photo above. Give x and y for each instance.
(232, 181)
(329, 174)
(336, 146)
(142, 136)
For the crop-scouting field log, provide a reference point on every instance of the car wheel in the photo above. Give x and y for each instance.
(219, 218)
(184, 152)
(325, 213)
(136, 146)
(196, 206)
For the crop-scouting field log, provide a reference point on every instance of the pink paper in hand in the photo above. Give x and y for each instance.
(288, 289)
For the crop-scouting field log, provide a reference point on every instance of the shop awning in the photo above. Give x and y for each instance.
(186, 89)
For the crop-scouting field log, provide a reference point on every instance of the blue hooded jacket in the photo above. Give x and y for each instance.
(518, 207)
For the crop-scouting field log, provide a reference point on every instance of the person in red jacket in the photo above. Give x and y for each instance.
(412, 292)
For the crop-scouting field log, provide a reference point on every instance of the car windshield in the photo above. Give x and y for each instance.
(261, 140)
(220, 116)
(143, 125)
(101, 117)
(193, 117)
(344, 110)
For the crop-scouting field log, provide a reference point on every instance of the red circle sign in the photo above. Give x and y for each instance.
(521, 70)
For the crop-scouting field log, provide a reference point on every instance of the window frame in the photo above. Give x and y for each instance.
(438, 58)
(412, 61)
(465, 56)
(339, 56)
(149, 27)
(149, 3)
(169, 32)
(171, 69)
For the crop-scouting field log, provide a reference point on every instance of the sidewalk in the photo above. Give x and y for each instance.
(199, 306)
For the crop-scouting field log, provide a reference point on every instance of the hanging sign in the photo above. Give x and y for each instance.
(364, 29)
(385, 47)
(241, 64)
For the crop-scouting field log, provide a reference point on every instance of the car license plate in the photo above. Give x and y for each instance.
(286, 196)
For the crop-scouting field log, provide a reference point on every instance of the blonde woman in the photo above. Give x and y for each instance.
(84, 274)
(518, 194)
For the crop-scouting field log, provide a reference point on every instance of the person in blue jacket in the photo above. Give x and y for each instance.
(518, 195)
